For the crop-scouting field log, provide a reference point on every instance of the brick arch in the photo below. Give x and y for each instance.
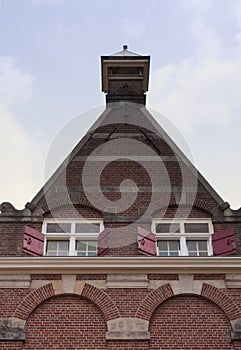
(89, 292)
(55, 203)
(222, 300)
(72, 209)
(209, 292)
(65, 322)
(153, 300)
(63, 201)
(200, 203)
(102, 300)
(32, 300)
(197, 204)
(189, 321)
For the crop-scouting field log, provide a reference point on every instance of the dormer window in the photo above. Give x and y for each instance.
(71, 237)
(178, 238)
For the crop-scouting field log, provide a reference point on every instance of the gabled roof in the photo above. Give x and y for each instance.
(137, 115)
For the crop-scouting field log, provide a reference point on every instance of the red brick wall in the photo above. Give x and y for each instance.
(127, 300)
(11, 345)
(128, 345)
(117, 171)
(66, 322)
(188, 322)
(72, 211)
(10, 299)
(11, 234)
(180, 322)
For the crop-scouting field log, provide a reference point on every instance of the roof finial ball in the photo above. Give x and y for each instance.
(125, 47)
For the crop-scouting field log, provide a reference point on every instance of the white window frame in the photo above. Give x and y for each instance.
(72, 236)
(182, 236)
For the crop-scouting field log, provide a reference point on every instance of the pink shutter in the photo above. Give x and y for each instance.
(33, 242)
(224, 242)
(103, 241)
(146, 242)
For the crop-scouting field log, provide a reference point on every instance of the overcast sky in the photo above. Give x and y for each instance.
(50, 73)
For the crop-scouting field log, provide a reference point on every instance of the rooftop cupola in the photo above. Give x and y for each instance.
(125, 76)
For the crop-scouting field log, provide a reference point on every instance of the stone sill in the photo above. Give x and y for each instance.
(102, 265)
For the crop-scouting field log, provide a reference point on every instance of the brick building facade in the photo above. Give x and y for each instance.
(127, 246)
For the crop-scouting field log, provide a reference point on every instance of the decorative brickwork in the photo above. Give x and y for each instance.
(102, 300)
(153, 300)
(74, 212)
(220, 298)
(202, 204)
(185, 210)
(59, 203)
(33, 300)
(55, 203)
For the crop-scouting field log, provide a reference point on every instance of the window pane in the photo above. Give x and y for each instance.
(52, 245)
(167, 228)
(196, 228)
(202, 245)
(162, 245)
(87, 228)
(81, 245)
(168, 248)
(86, 248)
(63, 245)
(197, 248)
(57, 248)
(192, 245)
(92, 246)
(59, 228)
(174, 245)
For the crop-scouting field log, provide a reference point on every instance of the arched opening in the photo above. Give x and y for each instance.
(65, 322)
(189, 322)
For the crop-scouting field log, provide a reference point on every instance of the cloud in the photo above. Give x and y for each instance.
(49, 2)
(201, 94)
(20, 156)
(201, 88)
(198, 91)
(15, 85)
(132, 27)
(197, 6)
